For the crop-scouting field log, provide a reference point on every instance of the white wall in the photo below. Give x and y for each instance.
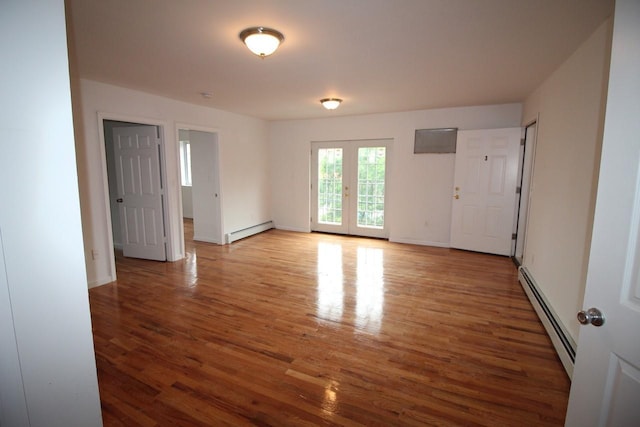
(420, 185)
(43, 292)
(187, 202)
(570, 104)
(244, 152)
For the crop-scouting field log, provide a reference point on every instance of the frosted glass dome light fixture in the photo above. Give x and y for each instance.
(331, 103)
(261, 40)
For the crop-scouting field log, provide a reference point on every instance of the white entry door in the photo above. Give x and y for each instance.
(605, 389)
(486, 171)
(140, 192)
(349, 187)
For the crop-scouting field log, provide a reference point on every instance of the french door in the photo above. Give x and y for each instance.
(349, 187)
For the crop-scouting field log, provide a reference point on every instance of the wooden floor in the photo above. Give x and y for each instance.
(297, 329)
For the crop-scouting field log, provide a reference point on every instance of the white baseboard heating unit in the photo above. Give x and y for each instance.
(562, 341)
(249, 231)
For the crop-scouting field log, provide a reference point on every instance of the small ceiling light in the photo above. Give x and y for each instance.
(331, 103)
(261, 41)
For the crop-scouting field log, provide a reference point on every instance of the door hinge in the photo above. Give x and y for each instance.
(518, 190)
(514, 236)
(521, 141)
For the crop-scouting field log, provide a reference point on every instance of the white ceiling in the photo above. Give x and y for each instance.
(378, 55)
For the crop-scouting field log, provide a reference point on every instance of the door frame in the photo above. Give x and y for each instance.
(218, 149)
(313, 169)
(162, 126)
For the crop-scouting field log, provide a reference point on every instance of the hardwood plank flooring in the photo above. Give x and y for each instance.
(302, 329)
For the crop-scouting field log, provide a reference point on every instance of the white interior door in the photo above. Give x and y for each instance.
(140, 192)
(525, 191)
(207, 223)
(349, 187)
(486, 170)
(605, 389)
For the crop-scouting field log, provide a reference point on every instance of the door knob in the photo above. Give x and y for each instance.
(592, 316)
(456, 197)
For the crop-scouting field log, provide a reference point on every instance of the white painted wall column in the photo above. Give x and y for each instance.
(43, 291)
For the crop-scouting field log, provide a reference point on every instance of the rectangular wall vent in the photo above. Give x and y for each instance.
(441, 140)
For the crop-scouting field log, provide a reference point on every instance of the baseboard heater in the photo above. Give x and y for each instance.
(562, 341)
(249, 231)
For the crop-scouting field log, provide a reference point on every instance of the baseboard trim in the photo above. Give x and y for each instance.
(420, 242)
(206, 240)
(563, 343)
(99, 282)
(294, 229)
(248, 231)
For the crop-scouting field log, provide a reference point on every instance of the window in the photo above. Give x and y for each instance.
(185, 163)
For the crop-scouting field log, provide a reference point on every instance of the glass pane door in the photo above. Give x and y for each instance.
(330, 186)
(371, 187)
(349, 187)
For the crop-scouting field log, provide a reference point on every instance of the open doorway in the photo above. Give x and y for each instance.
(527, 153)
(200, 183)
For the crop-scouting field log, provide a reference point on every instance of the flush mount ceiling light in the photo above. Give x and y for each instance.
(261, 41)
(331, 103)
